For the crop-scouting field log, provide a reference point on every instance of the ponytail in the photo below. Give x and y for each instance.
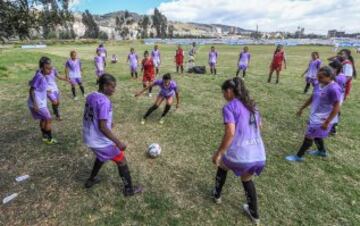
(241, 93)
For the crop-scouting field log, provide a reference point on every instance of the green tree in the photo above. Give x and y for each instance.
(92, 29)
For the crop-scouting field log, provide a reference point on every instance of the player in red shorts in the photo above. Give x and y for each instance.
(148, 68)
(179, 59)
(277, 62)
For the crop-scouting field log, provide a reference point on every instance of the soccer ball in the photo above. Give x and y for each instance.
(154, 150)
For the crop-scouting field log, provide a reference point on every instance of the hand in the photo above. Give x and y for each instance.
(299, 113)
(325, 125)
(121, 146)
(36, 108)
(216, 158)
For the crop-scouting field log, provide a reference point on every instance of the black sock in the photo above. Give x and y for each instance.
(82, 89)
(132, 74)
(56, 110)
(211, 71)
(177, 69)
(150, 90)
(73, 91)
(304, 147)
(125, 177)
(166, 110)
(244, 74)
(157, 71)
(48, 134)
(219, 181)
(251, 197)
(307, 87)
(237, 72)
(320, 144)
(214, 71)
(97, 166)
(136, 74)
(151, 109)
(44, 135)
(270, 77)
(182, 69)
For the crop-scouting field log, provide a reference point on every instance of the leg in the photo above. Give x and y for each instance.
(219, 182)
(244, 73)
(270, 75)
(124, 173)
(81, 88)
(308, 142)
(158, 101)
(251, 196)
(74, 91)
(43, 130)
(214, 70)
(92, 179)
(182, 69)
(320, 144)
(177, 68)
(47, 129)
(277, 76)
(237, 72)
(136, 74)
(169, 102)
(55, 107)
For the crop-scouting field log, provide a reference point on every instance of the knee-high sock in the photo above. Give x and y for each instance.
(150, 90)
(219, 181)
(73, 91)
(132, 74)
(214, 71)
(125, 176)
(177, 69)
(151, 109)
(182, 69)
(251, 196)
(307, 86)
(166, 110)
(56, 110)
(237, 72)
(320, 144)
(244, 73)
(82, 89)
(136, 74)
(96, 168)
(304, 147)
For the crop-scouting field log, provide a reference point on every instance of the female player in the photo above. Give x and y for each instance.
(37, 101)
(168, 89)
(242, 149)
(312, 70)
(325, 106)
(277, 63)
(179, 59)
(133, 59)
(97, 135)
(53, 92)
(99, 65)
(73, 71)
(155, 54)
(103, 52)
(244, 61)
(149, 73)
(348, 69)
(213, 57)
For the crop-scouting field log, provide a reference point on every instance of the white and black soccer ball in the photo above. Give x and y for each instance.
(154, 150)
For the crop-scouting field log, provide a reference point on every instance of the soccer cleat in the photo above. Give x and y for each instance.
(91, 182)
(319, 153)
(75, 98)
(162, 120)
(142, 122)
(135, 190)
(246, 209)
(51, 142)
(150, 95)
(216, 200)
(294, 158)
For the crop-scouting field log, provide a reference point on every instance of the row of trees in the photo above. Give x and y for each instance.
(25, 19)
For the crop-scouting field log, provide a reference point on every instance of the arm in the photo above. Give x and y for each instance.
(225, 143)
(306, 71)
(33, 99)
(107, 132)
(177, 99)
(142, 91)
(332, 58)
(306, 104)
(284, 61)
(333, 114)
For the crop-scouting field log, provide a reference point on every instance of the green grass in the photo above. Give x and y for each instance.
(178, 184)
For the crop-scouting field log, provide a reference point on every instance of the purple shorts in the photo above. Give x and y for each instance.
(133, 68)
(107, 153)
(99, 73)
(42, 114)
(309, 80)
(315, 131)
(241, 169)
(75, 81)
(243, 67)
(53, 96)
(212, 64)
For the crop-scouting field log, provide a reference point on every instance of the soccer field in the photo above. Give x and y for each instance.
(178, 184)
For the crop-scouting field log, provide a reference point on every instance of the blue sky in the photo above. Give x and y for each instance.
(105, 6)
(316, 16)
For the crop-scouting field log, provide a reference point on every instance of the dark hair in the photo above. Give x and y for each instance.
(316, 54)
(238, 86)
(278, 48)
(146, 52)
(166, 76)
(101, 45)
(43, 61)
(106, 79)
(351, 58)
(337, 65)
(327, 71)
(132, 49)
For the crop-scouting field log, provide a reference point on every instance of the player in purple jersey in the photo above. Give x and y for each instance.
(98, 135)
(312, 70)
(242, 149)
(168, 89)
(73, 72)
(99, 65)
(53, 92)
(213, 57)
(244, 61)
(37, 101)
(325, 106)
(103, 52)
(155, 55)
(340, 79)
(133, 61)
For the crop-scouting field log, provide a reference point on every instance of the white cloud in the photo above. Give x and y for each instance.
(271, 15)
